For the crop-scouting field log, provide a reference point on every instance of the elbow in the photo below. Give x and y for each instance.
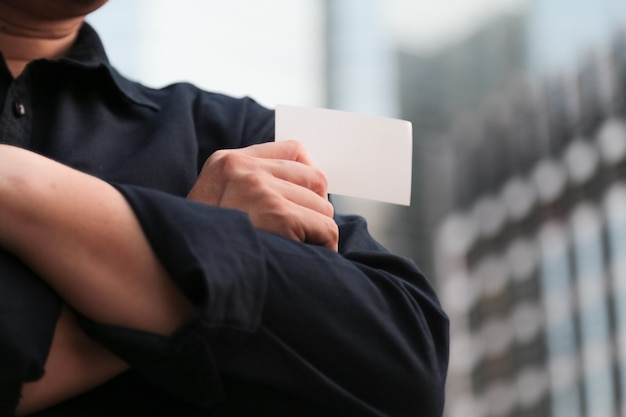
(425, 379)
(413, 369)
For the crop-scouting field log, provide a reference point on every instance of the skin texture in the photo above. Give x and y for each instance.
(278, 186)
(89, 247)
(92, 238)
(71, 353)
(32, 29)
(87, 244)
(79, 234)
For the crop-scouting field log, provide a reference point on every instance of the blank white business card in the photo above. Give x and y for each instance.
(363, 156)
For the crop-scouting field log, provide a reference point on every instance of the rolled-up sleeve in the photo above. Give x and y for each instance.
(286, 328)
(28, 313)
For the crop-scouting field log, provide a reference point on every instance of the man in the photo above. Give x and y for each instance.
(120, 296)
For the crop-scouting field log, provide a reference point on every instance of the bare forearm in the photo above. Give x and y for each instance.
(75, 364)
(81, 236)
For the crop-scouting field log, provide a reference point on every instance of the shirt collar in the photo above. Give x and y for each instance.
(88, 52)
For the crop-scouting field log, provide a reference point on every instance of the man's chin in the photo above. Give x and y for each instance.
(55, 9)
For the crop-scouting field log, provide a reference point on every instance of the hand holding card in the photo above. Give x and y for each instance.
(362, 156)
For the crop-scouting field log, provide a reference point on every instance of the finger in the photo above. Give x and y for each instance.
(285, 160)
(228, 169)
(305, 176)
(301, 224)
(304, 197)
(290, 150)
(234, 166)
(318, 229)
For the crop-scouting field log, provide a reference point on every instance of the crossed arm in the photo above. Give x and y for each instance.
(79, 234)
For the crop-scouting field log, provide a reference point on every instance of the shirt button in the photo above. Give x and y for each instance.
(18, 109)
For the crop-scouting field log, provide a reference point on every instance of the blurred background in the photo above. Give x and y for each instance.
(518, 213)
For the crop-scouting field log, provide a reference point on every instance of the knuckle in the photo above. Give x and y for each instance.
(319, 182)
(295, 145)
(274, 208)
(326, 232)
(333, 231)
(216, 157)
(328, 210)
(279, 218)
(274, 204)
(297, 149)
(227, 161)
(251, 181)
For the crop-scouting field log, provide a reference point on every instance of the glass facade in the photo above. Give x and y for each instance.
(593, 311)
(559, 128)
(560, 327)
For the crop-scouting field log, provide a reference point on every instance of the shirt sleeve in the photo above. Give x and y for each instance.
(29, 310)
(223, 122)
(286, 328)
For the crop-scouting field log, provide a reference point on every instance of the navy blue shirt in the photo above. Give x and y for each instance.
(281, 328)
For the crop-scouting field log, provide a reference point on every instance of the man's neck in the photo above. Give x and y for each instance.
(24, 38)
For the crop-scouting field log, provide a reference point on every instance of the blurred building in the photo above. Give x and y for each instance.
(530, 252)
(360, 77)
(436, 90)
(367, 73)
